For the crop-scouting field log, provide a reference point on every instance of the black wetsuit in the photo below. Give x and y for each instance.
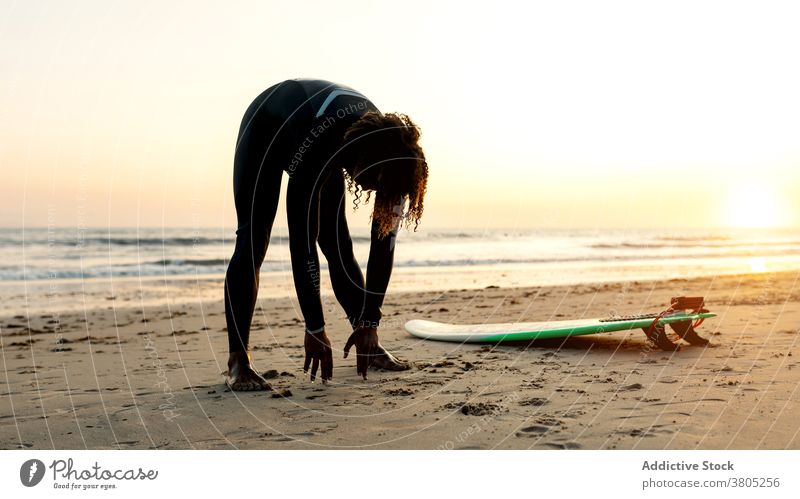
(297, 126)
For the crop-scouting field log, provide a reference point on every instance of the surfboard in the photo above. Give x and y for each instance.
(523, 331)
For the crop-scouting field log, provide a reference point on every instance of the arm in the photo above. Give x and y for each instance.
(302, 213)
(365, 332)
(379, 271)
(302, 206)
(337, 246)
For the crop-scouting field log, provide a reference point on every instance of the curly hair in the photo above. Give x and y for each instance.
(388, 143)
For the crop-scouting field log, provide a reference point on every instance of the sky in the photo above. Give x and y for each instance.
(543, 114)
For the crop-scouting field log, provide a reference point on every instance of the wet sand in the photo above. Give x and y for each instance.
(115, 376)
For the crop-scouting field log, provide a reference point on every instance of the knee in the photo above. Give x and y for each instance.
(333, 246)
(250, 248)
(327, 246)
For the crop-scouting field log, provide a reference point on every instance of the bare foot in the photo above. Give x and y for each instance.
(385, 360)
(241, 376)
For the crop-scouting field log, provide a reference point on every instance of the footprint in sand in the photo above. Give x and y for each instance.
(533, 430)
(646, 432)
(548, 420)
(399, 392)
(536, 402)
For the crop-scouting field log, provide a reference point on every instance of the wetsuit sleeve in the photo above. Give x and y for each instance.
(379, 271)
(302, 212)
(337, 246)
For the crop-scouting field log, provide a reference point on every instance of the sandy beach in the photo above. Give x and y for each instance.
(141, 378)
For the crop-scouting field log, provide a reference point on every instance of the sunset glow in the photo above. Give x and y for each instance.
(758, 264)
(545, 114)
(756, 205)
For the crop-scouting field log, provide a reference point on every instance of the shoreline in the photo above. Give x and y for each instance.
(123, 293)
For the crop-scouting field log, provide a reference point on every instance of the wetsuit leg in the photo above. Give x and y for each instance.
(256, 184)
(337, 246)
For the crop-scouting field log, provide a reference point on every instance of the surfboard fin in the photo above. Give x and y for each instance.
(685, 329)
(658, 335)
(686, 332)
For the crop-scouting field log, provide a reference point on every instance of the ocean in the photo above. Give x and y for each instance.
(33, 254)
(55, 260)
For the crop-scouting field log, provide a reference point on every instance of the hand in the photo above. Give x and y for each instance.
(369, 352)
(318, 350)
